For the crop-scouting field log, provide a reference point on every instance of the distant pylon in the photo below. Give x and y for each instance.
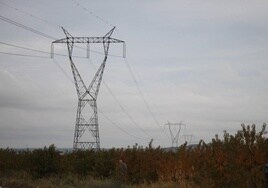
(175, 132)
(87, 113)
(188, 138)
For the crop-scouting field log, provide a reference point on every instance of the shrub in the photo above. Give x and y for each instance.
(45, 162)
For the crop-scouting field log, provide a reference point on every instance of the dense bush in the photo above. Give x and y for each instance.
(44, 162)
(233, 161)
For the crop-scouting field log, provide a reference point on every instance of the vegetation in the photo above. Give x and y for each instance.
(233, 161)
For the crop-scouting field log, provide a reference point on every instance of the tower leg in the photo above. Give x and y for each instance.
(86, 121)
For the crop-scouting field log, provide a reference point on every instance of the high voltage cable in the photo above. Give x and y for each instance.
(58, 26)
(25, 48)
(34, 50)
(142, 96)
(124, 110)
(119, 127)
(26, 27)
(45, 35)
(92, 13)
(31, 15)
(99, 18)
(62, 70)
(122, 107)
(24, 55)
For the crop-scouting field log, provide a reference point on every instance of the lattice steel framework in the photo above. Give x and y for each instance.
(87, 113)
(172, 130)
(188, 138)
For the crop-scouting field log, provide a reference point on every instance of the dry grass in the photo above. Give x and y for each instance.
(23, 180)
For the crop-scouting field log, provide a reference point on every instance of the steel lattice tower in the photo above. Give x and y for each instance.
(188, 138)
(87, 113)
(175, 137)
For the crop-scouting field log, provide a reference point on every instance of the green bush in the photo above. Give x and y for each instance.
(45, 162)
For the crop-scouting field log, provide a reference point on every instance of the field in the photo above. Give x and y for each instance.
(232, 161)
(24, 181)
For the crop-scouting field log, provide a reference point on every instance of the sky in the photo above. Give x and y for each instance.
(200, 62)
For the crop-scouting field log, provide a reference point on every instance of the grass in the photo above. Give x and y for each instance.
(23, 180)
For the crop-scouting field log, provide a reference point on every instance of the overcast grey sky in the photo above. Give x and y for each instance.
(203, 62)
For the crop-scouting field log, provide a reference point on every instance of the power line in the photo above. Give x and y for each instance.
(99, 18)
(26, 27)
(140, 92)
(62, 70)
(24, 55)
(45, 35)
(31, 15)
(34, 50)
(113, 123)
(124, 110)
(25, 48)
(121, 106)
(142, 96)
(92, 13)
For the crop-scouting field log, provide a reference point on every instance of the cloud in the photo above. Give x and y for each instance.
(11, 92)
(22, 95)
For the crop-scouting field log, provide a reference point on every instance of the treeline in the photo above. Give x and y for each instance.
(233, 161)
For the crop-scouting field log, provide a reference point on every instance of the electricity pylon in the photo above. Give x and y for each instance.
(175, 137)
(188, 138)
(87, 112)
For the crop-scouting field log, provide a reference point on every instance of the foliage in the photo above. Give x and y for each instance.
(233, 161)
(44, 162)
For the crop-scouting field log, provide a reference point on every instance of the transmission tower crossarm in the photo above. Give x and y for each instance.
(89, 40)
